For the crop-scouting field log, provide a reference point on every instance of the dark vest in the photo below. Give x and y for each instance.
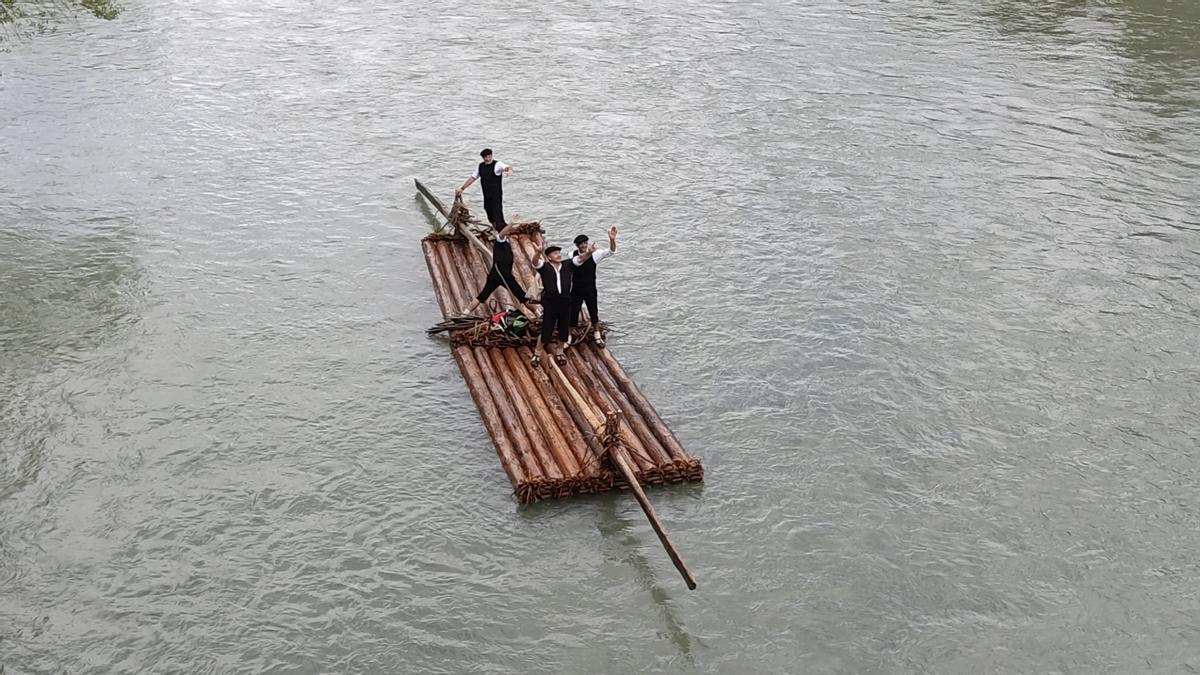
(502, 256)
(549, 287)
(585, 274)
(489, 181)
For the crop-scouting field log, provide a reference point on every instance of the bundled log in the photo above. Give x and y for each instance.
(518, 416)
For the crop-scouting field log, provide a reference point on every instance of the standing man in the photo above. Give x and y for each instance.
(584, 288)
(556, 300)
(490, 173)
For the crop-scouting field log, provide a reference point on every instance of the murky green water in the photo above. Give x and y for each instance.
(918, 281)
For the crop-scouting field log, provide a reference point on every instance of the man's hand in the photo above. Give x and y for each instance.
(508, 171)
(612, 232)
(458, 192)
(507, 230)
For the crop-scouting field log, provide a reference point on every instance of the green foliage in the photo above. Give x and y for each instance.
(8, 11)
(20, 19)
(103, 9)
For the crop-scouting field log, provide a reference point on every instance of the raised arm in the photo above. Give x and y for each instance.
(501, 167)
(612, 238)
(507, 230)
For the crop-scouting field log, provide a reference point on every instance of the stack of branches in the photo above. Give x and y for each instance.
(461, 220)
(477, 331)
(528, 227)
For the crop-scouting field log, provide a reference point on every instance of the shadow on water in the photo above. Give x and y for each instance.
(1159, 41)
(66, 292)
(619, 543)
(616, 530)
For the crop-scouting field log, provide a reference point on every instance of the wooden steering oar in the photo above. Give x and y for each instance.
(621, 460)
(448, 213)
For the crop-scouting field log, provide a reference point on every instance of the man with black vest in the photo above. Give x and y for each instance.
(556, 299)
(501, 275)
(584, 288)
(490, 173)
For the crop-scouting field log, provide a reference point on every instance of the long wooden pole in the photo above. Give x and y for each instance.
(590, 390)
(557, 438)
(587, 446)
(619, 459)
(437, 204)
(621, 462)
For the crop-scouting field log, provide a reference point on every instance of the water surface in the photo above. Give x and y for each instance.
(918, 281)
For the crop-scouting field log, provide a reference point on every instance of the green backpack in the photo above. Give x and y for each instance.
(512, 322)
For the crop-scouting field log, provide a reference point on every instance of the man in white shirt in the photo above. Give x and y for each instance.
(556, 299)
(584, 288)
(490, 174)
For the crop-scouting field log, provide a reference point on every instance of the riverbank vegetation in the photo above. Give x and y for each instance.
(23, 19)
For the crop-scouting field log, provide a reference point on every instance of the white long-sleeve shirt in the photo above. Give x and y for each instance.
(557, 270)
(500, 167)
(598, 255)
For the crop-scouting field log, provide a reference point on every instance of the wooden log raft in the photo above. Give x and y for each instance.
(545, 442)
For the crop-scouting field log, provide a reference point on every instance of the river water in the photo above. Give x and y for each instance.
(918, 281)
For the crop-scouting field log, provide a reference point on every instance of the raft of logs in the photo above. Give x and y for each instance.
(539, 423)
(559, 430)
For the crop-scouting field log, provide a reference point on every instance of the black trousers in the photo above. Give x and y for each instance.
(579, 296)
(495, 211)
(556, 316)
(499, 279)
